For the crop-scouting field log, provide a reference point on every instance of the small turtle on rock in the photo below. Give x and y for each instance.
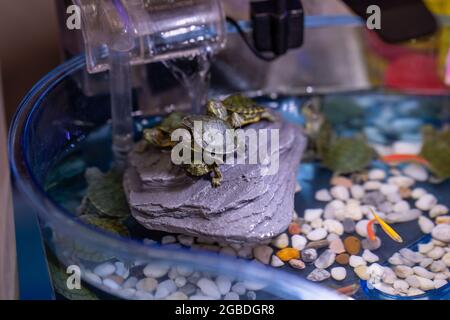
(238, 111)
(160, 135)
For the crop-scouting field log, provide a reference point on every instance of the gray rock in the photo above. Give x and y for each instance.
(318, 275)
(349, 225)
(247, 207)
(309, 255)
(325, 260)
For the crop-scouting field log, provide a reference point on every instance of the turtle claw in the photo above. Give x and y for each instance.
(217, 179)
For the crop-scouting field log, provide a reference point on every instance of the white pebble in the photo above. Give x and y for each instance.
(121, 270)
(317, 234)
(425, 224)
(438, 210)
(369, 256)
(104, 269)
(263, 254)
(231, 296)
(92, 277)
(338, 273)
(412, 292)
(441, 232)
(146, 285)
(333, 208)
(180, 281)
(436, 253)
(405, 147)
(245, 252)
(425, 247)
(401, 181)
(438, 266)
(439, 283)
(333, 226)
(422, 272)
(239, 288)
(357, 191)
(353, 211)
(446, 259)
(418, 193)
(200, 297)
(377, 174)
(130, 283)
(253, 285)
(312, 214)
(426, 202)
(389, 276)
(340, 193)
(426, 284)
(142, 295)
(276, 262)
(111, 284)
(361, 228)
(280, 242)
(415, 171)
(383, 287)
(372, 185)
(187, 241)
(317, 223)
(209, 288)
(156, 270)
(177, 296)
(388, 189)
(401, 206)
(323, 195)
(298, 242)
(356, 261)
(223, 284)
(401, 285)
(168, 240)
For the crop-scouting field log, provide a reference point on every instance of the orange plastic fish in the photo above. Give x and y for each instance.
(370, 230)
(398, 158)
(386, 228)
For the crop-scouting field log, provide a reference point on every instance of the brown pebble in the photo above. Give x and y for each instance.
(352, 245)
(318, 244)
(342, 258)
(117, 279)
(341, 181)
(405, 193)
(294, 228)
(349, 290)
(442, 219)
(297, 264)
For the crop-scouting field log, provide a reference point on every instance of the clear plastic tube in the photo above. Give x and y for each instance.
(121, 104)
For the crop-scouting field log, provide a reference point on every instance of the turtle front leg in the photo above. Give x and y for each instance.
(217, 178)
(236, 120)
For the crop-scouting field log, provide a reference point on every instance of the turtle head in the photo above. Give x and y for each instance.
(216, 109)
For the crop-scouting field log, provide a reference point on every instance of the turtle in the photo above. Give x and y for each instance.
(211, 139)
(160, 135)
(238, 111)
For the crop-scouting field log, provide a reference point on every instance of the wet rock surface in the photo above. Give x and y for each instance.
(248, 206)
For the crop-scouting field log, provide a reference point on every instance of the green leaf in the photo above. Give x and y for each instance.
(59, 280)
(436, 150)
(348, 155)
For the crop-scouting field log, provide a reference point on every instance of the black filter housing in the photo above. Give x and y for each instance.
(277, 25)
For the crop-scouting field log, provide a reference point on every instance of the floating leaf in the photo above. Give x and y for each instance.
(59, 280)
(105, 193)
(348, 155)
(436, 150)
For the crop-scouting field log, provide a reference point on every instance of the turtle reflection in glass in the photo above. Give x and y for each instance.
(238, 111)
(210, 138)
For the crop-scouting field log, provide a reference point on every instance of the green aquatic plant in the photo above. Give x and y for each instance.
(436, 151)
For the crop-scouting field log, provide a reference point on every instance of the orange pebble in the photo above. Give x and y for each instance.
(294, 228)
(287, 254)
(443, 219)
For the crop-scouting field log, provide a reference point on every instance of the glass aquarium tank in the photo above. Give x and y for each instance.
(370, 218)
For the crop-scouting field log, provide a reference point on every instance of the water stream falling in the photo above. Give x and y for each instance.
(194, 75)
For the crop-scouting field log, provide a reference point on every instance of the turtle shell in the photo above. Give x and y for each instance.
(242, 105)
(213, 135)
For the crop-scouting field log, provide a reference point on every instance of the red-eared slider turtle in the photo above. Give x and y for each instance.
(238, 111)
(160, 135)
(209, 134)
